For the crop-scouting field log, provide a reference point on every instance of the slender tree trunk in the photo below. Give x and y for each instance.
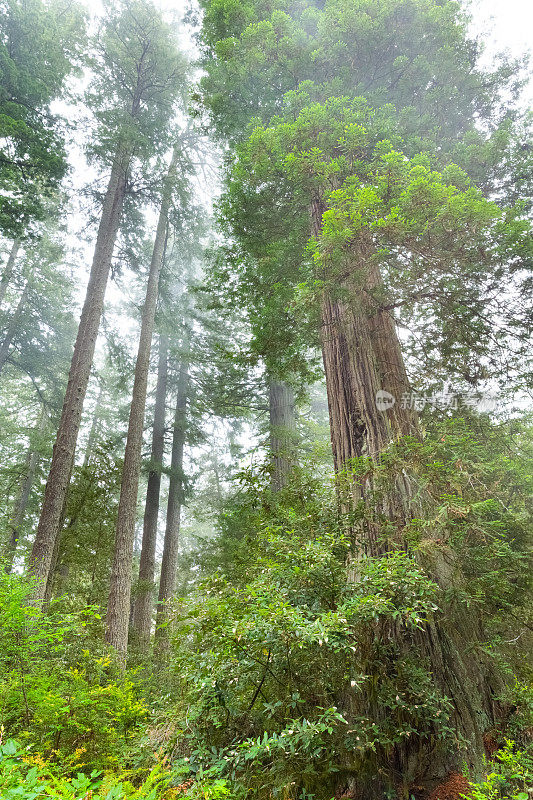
(80, 370)
(144, 601)
(12, 328)
(21, 503)
(362, 357)
(8, 269)
(282, 420)
(169, 563)
(218, 486)
(118, 607)
(93, 433)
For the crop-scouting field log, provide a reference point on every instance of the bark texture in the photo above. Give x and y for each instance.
(118, 607)
(282, 423)
(80, 370)
(169, 563)
(142, 618)
(7, 274)
(362, 357)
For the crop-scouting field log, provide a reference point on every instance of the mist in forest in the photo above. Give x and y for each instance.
(265, 400)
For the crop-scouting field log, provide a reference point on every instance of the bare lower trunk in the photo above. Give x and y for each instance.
(282, 422)
(21, 503)
(5, 347)
(93, 433)
(7, 274)
(142, 619)
(118, 607)
(169, 563)
(366, 378)
(80, 370)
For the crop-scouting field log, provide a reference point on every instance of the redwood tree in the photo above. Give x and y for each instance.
(353, 167)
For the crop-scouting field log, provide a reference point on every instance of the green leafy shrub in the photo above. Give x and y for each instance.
(60, 689)
(510, 776)
(267, 663)
(27, 777)
(279, 657)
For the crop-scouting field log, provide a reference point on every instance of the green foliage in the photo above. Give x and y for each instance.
(386, 51)
(40, 45)
(24, 776)
(60, 689)
(477, 485)
(509, 776)
(298, 632)
(264, 663)
(442, 251)
(87, 540)
(139, 74)
(282, 79)
(45, 328)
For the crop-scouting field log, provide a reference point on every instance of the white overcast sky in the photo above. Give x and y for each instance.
(511, 21)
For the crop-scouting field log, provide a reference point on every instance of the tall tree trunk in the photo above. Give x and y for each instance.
(118, 607)
(169, 563)
(142, 620)
(93, 433)
(362, 357)
(80, 370)
(282, 422)
(7, 274)
(12, 328)
(21, 503)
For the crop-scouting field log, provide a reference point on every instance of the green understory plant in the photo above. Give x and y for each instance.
(274, 653)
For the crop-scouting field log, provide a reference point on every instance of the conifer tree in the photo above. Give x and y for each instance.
(142, 616)
(118, 611)
(22, 498)
(352, 109)
(137, 71)
(282, 426)
(41, 44)
(169, 562)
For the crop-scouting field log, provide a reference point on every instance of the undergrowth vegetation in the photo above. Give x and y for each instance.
(271, 655)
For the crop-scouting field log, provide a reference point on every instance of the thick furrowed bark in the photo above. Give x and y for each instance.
(169, 563)
(80, 370)
(362, 356)
(118, 607)
(142, 619)
(282, 421)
